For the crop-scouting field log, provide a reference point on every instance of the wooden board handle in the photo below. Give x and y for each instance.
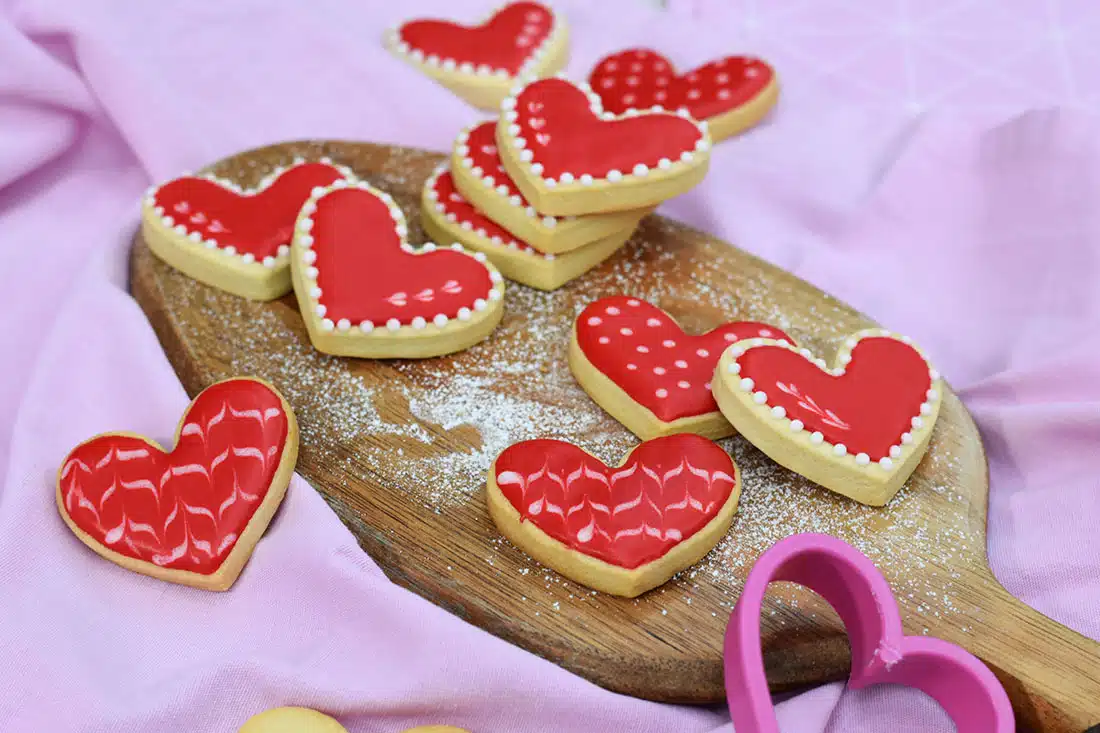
(1051, 673)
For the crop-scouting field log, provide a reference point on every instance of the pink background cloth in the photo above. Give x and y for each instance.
(934, 164)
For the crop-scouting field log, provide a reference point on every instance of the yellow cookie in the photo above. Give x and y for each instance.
(291, 720)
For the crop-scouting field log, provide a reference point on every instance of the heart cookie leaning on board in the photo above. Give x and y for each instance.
(400, 448)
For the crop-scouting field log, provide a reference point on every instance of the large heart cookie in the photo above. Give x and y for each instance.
(568, 156)
(624, 529)
(637, 363)
(233, 238)
(363, 291)
(191, 515)
(481, 63)
(859, 429)
(731, 93)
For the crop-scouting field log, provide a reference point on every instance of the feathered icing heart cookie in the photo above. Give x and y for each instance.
(859, 429)
(191, 515)
(624, 529)
(568, 156)
(233, 238)
(363, 291)
(481, 63)
(731, 93)
(637, 363)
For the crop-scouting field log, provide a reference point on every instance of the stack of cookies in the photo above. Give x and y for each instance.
(555, 185)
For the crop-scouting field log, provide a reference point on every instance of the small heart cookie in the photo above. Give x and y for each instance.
(191, 515)
(233, 238)
(448, 217)
(624, 529)
(859, 429)
(363, 291)
(569, 157)
(480, 177)
(292, 720)
(481, 63)
(731, 93)
(636, 362)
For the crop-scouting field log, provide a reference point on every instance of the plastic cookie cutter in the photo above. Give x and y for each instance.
(881, 653)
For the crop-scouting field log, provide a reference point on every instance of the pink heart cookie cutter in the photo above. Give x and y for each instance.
(881, 652)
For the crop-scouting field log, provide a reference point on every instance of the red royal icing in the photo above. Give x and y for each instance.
(565, 136)
(505, 41)
(185, 509)
(668, 489)
(640, 78)
(642, 350)
(482, 151)
(867, 408)
(365, 275)
(452, 202)
(255, 224)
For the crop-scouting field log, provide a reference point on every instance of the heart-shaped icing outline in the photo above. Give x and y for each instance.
(596, 573)
(881, 653)
(211, 263)
(809, 454)
(418, 339)
(227, 573)
(582, 193)
(516, 259)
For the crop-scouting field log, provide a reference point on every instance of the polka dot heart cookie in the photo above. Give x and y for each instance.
(732, 94)
(636, 362)
(481, 63)
(859, 428)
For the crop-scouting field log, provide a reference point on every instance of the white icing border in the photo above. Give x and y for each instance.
(304, 242)
(578, 182)
(282, 255)
(394, 42)
(732, 368)
(513, 244)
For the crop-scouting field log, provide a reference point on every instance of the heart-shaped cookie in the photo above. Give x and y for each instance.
(859, 429)
(233, 238)
(731, 93)
(636, 362)
(194, 514)
(881, 652)
(568, 156)
(363, 291)
(448, 217)
(621, 530)
(480, 177)
(481, 63)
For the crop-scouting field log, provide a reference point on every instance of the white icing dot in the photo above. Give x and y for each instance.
(816, 437)
(747, 384)
(464, 314)
(269, 261)
(733, 368)
(614, 175)
(631, 367)
(393, 324)
(662, 393)
(779, 411)
(626, 331)
(664, 164)
(703, 353)
(366, 326)
(681, 363)
(586, 179)
(931, 394)
(641, 170)
(309, 257)
(440, 320)
(653, 322)
(668, 343)
(659, 370)
(686, 157)
(759, 397)
(840, 449)
(567, 178)
(863, 459)
(284, 250)
(895, 451)
(933, 374)
(327, 325)
(480, 305)
(419, 322)
(925, 408)
(537, 169)
(612, 311)
(343, 324)
(320, 310)
(604, 340)
(917, 422)
(305, 240)
(682, 384)
(906, 438)
(730, 337)
(594, 321)
(886, 463)
(796, 426)
(643, 349)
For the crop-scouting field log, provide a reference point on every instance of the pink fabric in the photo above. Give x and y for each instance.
(892, 176)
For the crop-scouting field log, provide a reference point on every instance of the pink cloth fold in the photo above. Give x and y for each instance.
(903, 172)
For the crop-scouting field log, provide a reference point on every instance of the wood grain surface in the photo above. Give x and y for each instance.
(399, 450)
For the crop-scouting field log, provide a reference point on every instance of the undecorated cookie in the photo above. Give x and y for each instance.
(732, 94)
(292, 720)
(569, 157)
(233, 238)
(481, 63)
(636, 362)
(859, 428)
(364, 291)
(623, 529)
(194, 514)
(448, 217)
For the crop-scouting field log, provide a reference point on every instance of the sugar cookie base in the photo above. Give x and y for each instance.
(291, 720)
(595, 573)
(635, 417)
(746, 115)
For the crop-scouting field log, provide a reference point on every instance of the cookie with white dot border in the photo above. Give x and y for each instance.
(570, 157)
(732, 93)
(364, 291)
(233, 238)
(859, 428)
(480, 177)
(637, 363)
(481, 63)
(448, 217)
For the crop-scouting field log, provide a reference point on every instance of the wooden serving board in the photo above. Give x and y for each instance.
(399, 450)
